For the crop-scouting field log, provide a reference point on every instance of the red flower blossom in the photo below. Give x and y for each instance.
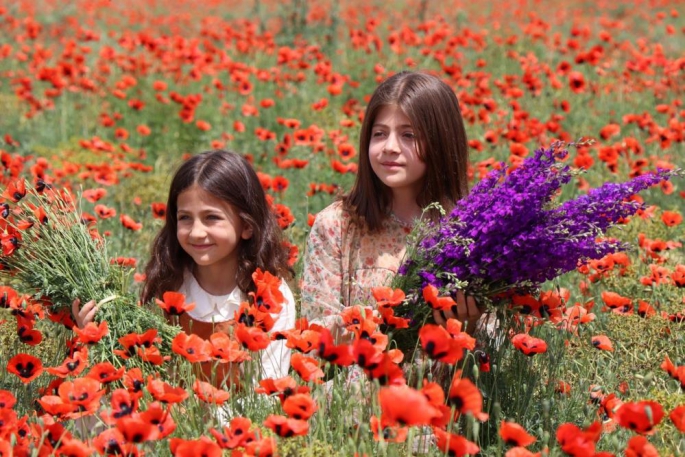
(299, 406)
(91, 333)
(285, 427)
(105, 372)
(514, 435)
(129, 223)
(641, 417)
(466, 397)
(677, 416)
(528, 344)
(453, 444)
(402, 405)
(328, 351)
(208, 393)
(306, 367)
(25, 366)
(638, 446)
(602, 342)
(158, 210)
(174, 303)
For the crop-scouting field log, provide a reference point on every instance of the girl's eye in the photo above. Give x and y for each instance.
(213, 217)
(377, 134)
(182, 218)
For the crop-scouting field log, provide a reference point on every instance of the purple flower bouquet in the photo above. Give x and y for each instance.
(511, 234)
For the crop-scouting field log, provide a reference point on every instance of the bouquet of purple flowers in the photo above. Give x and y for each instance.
(510, 234)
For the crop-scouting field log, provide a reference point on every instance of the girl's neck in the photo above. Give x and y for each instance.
(405, 208)
(214, 279)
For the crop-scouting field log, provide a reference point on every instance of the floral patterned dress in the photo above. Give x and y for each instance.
(343, 261)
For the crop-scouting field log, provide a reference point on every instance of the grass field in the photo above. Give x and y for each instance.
(108, 98)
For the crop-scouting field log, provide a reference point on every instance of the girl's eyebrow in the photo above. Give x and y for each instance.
(378, 124)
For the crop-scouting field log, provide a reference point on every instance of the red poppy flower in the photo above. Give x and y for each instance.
(164, 392)
(285, 427)
(92, 332)
(392, 321)
(7, 400)
(224, 349)
(252, 338)
(638, 446)
(104, 212)
(123, 404)
(15, 190)
(299, 406)
(405, 406)
(303, 341)
(453, 444)
(366, 355)
(439, 345)
(25, 366)
(514, 435)
(112, 442)
(430, 294)
(191, 347)
(208, 393)
(158, 210)
(160, 417)
(136, 430)
(284, 387)
(306, 367)
(265, 447)
(387, 297)
(250, 316)
(236, 434)
(11, 240)
(677, 416)
(614, 300)
(203, 446)
(268, 297)
(466, 397)
(105, 372)
(602, 342)
(132, 341)
(338, 355)
(528, 344)
(27, 334)
(576, 442)
(129, 223)
(671, 218)
(75, 448)
(133, 381)
(387, 432)
(72, 366)
(641, 417)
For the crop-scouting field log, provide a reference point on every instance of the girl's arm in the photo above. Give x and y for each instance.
(276, 357)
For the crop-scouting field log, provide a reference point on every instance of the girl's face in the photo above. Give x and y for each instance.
(393, 151)
(209, 229)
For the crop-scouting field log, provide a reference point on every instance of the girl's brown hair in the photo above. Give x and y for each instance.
(433, 109)
(229, 177)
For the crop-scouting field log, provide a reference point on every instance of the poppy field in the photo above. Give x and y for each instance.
(101, 101)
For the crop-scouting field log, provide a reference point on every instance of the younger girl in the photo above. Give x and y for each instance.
(219, 229)
(412, 152)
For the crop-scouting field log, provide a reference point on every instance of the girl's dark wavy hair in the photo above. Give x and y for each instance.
(433, 109)
(229, 177)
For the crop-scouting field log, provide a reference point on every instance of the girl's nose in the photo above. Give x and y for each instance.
(392, 144)
(197, 230)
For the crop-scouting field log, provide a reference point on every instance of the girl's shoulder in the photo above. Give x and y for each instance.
(333, 215)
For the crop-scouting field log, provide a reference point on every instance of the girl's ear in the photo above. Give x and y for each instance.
(247, 232)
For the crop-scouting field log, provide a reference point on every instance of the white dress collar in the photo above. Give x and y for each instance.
(208, 307)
